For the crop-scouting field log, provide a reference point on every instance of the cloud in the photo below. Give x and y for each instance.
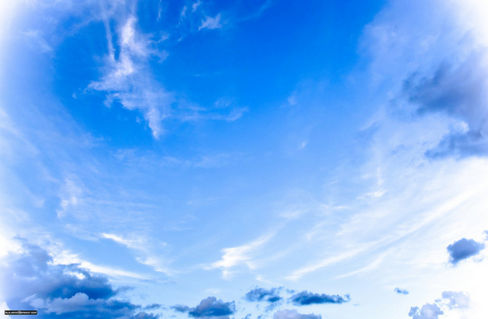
(119, 239)
(293, 314)
(464, 248)
(180, 308)
(235, 256)
(456, 299)
(450, 300)
(208, 307)
(211, 23)
(461, 91)
(260, 294)
(152, 306)
(428, 311)
(70, 196)
(410, 61)
(308, 298)
(261, 9)
(145, 251)
(300, 272)
(30, 279)
(38, 40)
(401, 291)
(128, 80)
(195, 5)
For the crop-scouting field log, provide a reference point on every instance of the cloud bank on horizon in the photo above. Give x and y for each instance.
(256, 159)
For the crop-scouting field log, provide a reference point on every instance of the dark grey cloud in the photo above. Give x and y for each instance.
(260, 294)
(428, 311)
(461, 91)
(208, 307)
(464, 248)
(401, 291)
(293, 314)
(308, 298)
(30, 281)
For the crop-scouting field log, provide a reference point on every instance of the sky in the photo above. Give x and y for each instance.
(244, 159)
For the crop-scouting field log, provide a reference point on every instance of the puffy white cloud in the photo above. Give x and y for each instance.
(428, 311)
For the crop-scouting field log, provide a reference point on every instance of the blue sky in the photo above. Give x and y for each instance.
(244, 159)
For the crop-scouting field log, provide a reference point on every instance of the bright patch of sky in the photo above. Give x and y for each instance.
(244, 159)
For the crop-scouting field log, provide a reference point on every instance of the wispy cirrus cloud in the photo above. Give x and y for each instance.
(127, 76)
(325, 262)
(239, 255)
(128, 79)
(211, 23)
(147, 252)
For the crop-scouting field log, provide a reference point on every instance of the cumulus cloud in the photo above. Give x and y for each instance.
(293, 314)
(450, 300)
(428, 311)
(208, 307)
(260, 294)
(30, 279)
(456, 299)
(464, 248)
(401, 291)
(308, 298)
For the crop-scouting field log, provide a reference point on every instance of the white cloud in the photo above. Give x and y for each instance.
(120, 240)
(128, 80)
(38, 40)
(369, 267)
(450, 300)
(402, 195)
(239, 255)
(293, 314)
(147, 253)
(211, 23)
(299, 273)
(70, 196)
(65, 257)
(456, 299)
(195, 5)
